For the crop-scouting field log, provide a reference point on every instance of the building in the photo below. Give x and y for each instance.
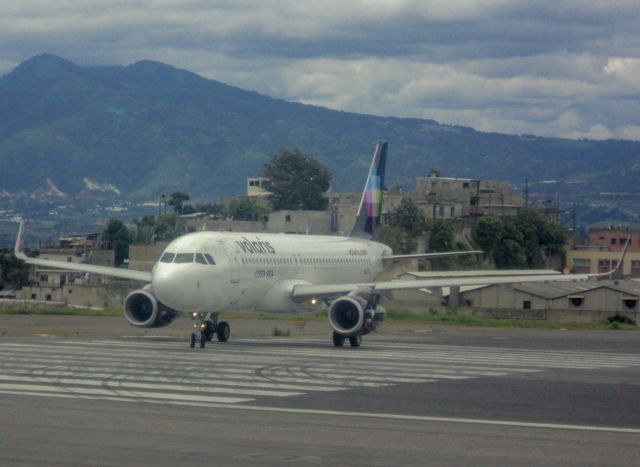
(454, 198)
(76, 288)
(603, 251)
(573, 301)
(255, 187)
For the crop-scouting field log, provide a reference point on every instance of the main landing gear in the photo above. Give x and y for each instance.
(205, 326)
(354, 341)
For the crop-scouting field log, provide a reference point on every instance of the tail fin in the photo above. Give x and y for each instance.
(370, 209)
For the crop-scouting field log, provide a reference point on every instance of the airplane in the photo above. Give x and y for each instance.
(205, 273)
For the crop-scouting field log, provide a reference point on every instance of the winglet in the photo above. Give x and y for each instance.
(19, 248)
(370, 208)
(618, 265)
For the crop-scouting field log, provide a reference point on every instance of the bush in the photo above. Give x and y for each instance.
(277, 332)
(618, 318)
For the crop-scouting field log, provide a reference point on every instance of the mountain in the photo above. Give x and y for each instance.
(149, 128)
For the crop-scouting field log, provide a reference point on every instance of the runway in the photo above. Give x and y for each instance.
(392, 401)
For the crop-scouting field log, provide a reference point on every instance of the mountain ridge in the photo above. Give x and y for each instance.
(149, 128)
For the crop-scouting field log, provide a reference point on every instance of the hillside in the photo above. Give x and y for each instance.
(149, 128)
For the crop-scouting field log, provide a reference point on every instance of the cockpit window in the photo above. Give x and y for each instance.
(167, 258)
(200, 258)
(209, 258)
(184, 258)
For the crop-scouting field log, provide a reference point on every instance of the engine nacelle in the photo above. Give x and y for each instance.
(352, 314)
(143, 310)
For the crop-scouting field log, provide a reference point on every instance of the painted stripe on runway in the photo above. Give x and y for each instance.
(517, 356)
(125, 385)
(559, 361)
(168, 397)
(425, 418)
(202, 381)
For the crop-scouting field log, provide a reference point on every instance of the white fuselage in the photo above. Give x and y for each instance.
(258, 271)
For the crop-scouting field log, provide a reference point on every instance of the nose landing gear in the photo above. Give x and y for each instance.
(205, 326)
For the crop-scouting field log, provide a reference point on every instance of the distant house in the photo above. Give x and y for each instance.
(604, 249)
(452, 198)
(72, 287)
(255, 186)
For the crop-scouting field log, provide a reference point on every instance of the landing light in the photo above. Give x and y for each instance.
(314, 301)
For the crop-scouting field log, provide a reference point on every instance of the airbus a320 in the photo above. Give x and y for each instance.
(205, 273)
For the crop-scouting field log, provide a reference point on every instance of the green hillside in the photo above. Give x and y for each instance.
(149, 128)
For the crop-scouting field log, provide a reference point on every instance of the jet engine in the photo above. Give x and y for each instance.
(352, 315)
(143, 310)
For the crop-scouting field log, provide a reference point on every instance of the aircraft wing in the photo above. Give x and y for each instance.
(302, 292)
(142, 276)
(442, 254)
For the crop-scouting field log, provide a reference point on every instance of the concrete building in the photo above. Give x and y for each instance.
(72, 287)
(453, 198)
(572, 301)
(604, 249)
(255, 187)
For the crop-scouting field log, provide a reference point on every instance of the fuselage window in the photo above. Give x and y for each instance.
(167, 258)
(209, 258)
(184, 258)
(200, 258)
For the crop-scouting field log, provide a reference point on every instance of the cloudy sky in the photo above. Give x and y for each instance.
(567, 68)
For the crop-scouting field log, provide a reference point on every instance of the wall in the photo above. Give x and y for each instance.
(93, 296)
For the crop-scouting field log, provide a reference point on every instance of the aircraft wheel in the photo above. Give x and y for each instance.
(193, 340)
(338, 339)
(356, 340)
(208, 330)
(203, 339)
(223, 332)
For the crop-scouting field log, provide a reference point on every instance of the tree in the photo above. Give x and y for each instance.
(488, 235)
(520, 241)
(13, 271)
(441, 235)
(177, 200)
(296, 181)
(441, 238)
(168, 227)
(554, 239)
(397, 239)
(531, 224)
(246, 209)
(510, 252)
(117, 234)
(407, 215)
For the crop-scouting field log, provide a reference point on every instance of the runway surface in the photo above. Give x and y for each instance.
(265, 401)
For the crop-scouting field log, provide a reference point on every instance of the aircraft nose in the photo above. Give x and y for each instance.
(178, 288)
(165, 287)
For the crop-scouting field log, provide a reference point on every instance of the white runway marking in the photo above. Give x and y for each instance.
(162, 371)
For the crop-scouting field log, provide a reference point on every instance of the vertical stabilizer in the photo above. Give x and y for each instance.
(370, 208)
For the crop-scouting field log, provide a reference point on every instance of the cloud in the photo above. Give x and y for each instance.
(551, 67)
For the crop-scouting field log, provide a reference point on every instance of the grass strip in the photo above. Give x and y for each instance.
(393, 316)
